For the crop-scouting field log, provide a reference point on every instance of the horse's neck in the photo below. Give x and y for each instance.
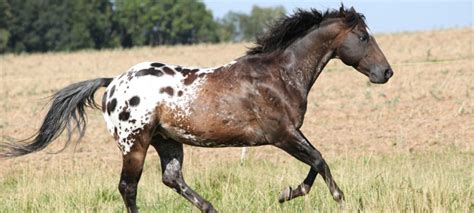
(307, 57)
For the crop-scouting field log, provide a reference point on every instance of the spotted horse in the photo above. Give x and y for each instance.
(258, 99)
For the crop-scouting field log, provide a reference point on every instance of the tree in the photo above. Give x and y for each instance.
(91, 24)
(240, 26)
(59, 25)
(52, 25)
(20, 25)
(230, 26)
(5, 15)
(156, 22)
(259, 20)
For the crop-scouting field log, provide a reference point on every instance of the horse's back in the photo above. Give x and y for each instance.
(150, 94)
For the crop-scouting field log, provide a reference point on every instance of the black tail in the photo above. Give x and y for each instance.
(66, 111)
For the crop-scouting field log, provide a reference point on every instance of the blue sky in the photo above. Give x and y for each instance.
(381, 15)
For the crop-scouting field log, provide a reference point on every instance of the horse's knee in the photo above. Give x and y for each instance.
(171, 175)
(122, 186)
(127, 189)
(318, 165)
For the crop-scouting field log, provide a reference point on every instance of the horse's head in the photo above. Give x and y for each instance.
(357, 48)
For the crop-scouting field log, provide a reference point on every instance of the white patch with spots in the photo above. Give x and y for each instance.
(154, 87)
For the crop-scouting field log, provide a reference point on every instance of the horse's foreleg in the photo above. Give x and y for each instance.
(171, 156)
(131, 171)
(299, 147)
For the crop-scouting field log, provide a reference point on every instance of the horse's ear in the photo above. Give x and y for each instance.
(342, 12)
(352, 10)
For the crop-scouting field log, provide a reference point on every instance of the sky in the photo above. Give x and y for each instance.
(383, 16)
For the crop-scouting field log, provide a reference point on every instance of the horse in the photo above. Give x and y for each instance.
(257, 99)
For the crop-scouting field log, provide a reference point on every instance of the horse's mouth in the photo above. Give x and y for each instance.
(373, 76)
(378, 81)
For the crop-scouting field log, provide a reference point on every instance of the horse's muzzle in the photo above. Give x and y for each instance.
(379, 75)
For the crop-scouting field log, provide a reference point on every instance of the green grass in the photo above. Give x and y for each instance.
(424, 182)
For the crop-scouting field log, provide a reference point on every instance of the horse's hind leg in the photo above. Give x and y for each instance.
(132, 170)
(303, 189)
(299, 147)
(171, 157)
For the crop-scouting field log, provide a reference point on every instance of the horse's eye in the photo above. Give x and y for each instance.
(364, 37)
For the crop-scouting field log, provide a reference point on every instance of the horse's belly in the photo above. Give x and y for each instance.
(206, 130)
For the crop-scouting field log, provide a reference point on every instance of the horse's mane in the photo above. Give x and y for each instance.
(289, 28)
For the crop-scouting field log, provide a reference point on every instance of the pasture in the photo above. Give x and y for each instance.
(407, 145)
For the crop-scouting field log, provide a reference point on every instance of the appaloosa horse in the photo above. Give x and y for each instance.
(258, 99)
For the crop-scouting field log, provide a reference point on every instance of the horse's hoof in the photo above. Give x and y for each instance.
(342, 204)
(339, 197)
(208, 208)
(285, 195)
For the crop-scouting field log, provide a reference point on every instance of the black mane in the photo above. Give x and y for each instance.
(289, 28)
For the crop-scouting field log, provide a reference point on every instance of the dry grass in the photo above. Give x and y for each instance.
(425, 112)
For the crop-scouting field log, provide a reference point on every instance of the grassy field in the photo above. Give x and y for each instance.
(406, 182)
(404, 146)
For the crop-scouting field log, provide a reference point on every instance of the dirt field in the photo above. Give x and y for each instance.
(425, 111)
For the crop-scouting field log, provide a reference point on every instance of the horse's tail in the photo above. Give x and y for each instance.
(66, 111)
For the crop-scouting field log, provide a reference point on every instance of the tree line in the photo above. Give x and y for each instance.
(63, 25)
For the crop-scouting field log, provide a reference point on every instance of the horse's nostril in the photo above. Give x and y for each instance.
(388, 73)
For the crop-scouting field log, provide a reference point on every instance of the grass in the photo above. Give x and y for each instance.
(406, 146)
(430, 182)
